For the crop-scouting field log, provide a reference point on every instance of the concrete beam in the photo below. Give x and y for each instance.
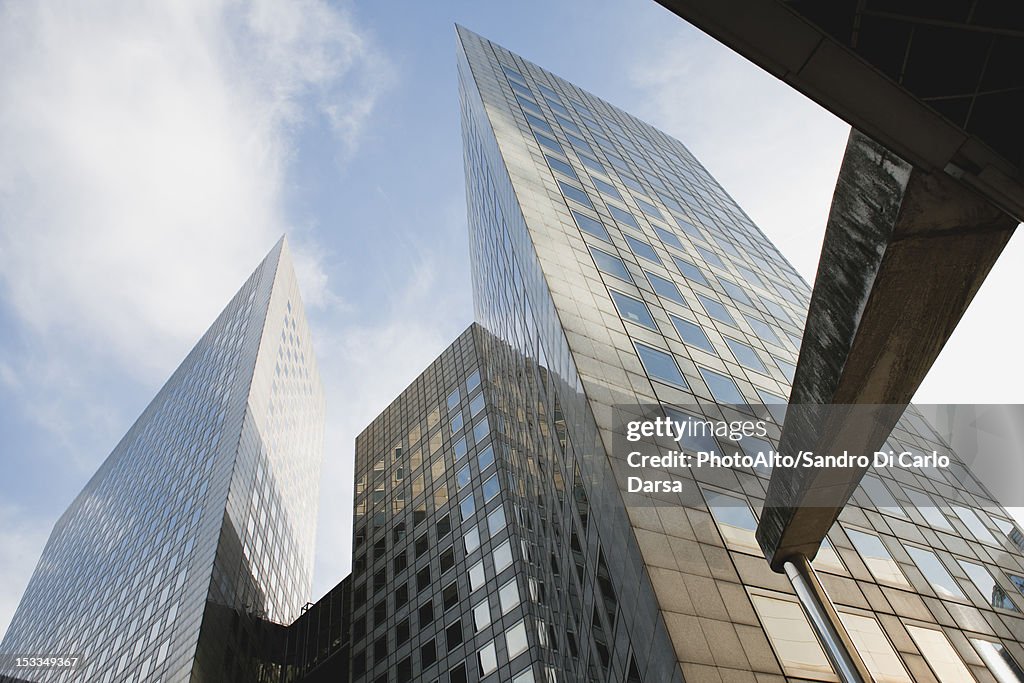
(905, 251)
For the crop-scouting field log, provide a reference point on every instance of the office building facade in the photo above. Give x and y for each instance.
(193, 543)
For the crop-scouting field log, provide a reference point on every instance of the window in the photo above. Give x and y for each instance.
(485, 458)
(423, 578)
(538, 123)
(428, 654)
(633, 310)
(401, 595)
(508, 596)
(491, 488)
(710, 257)
(481, 429)
(999, 661)
(422, 545)
(502, 557)
(477, 404)
(746, 355)
(591, 226)
(447, 559)
(487, 659)
(453, 634)
(561, 166)
(926, 506)
(515, 640)
(529, 104)
(648, 208)
(467, 507)
(450, 595)
(456, 423)
(496, 520)
(877, 558)
(991, 591)
(763, 330)
(735, 519)
(402, 631)
(792, 638)
(723, 389)
(426, 613)
(471, 540)
(665, 288)
(463, 477)
(875, 649)
(482, 615)
(606, 188)
(690, 271)
(623, 216)
(476, 575)
(576, 194)
(880, 495)
(669, 238)
(692, 334)
(568, 124)
(944, 585)
(735, 292)
(787, 368)
(660, 365)
(716, 310)
(453, 400)
(642, 249)
(591, 163)
(973, 522)
(473, 381)
(612, 265)
(689, 228)
(545, 141)
(940, 655)
(443, 526)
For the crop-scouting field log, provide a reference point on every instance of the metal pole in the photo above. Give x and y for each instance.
(836, 642)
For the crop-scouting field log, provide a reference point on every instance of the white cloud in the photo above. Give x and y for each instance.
(22, 540)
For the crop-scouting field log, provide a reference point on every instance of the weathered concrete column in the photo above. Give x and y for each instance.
(904, 253)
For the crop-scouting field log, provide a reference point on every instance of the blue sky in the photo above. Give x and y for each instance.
(154, 154)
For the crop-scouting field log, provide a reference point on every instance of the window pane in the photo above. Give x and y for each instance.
(633, 310)
(669, 238)
(940, 655)
(575, 193)
(880, 495)
(515, 640)
(792, 638)
(944, 585)
(710, 257)
(591, 226)
(642, 249)
(508, 595)
(877, 558)
(488, 659)
(991, 591)
(692, 334)
(560, 166)
(502, 557)
(973, 522)
(735, 520)
(690, 271)
(472, 540)
(496, 520)
(606, 188)
(926, 506)
(482, 615)
(716, 310)
(609, 264)
(723, 389)
(545, 141)
(746, 356)
(999, 661)
(875, 649)
(463, 477)
(660, 365)
(467, 507)
(491, 488)
(623, 216)
(476, 576)
(665, 288)
(763, 330)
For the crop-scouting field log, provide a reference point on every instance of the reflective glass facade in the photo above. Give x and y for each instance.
(605, 256)
(194, 540)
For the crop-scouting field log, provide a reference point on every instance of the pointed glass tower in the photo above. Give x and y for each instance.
(196, 535)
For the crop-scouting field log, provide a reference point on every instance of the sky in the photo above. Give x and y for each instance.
(154, 152)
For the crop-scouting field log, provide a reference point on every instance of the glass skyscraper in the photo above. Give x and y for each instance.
(493, 539)
(194, 540)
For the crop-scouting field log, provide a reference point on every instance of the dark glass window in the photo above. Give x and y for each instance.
(402, 631)
(428, 654)
(423, 578)
(422, 545)
(453, 634)
(444, 526)
(447, 559)
(450, 596)
(426, 613)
